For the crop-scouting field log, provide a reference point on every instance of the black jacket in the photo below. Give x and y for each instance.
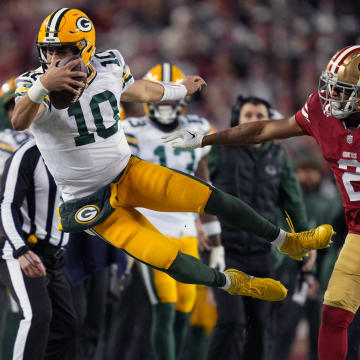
(262, 177)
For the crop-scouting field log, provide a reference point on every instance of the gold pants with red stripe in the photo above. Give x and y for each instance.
(162, 288)
(344, 285)
(151, 186)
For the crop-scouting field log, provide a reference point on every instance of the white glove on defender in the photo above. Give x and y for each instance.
(217, 258)
(186, 139)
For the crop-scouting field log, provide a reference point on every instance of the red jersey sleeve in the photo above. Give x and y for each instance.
(303, 116)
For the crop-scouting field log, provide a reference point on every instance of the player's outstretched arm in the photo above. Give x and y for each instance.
(243, 134)
(255, 132)
(144, 91)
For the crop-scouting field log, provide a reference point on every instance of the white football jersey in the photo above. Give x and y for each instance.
(144, 139)
(83, 146)
(10, 140)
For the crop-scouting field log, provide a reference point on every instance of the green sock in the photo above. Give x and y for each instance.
(199, 343)
(233, 211)
(180, 330)
(190, 270)
(162, 331)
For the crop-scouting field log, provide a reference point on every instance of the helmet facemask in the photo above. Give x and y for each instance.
(347, 98)
(165, 115)
(43, 49)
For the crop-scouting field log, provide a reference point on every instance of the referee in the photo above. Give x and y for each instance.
(31, 257)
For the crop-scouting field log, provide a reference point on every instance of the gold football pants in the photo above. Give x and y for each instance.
(204, 313)
(151, 186)
(162, 288)
(344, 285)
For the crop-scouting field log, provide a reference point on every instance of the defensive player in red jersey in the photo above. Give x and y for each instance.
(332, 116)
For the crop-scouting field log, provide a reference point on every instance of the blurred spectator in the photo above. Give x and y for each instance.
(260, 46)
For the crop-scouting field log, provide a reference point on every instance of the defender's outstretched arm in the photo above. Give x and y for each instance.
(255, 132)
(243, 134)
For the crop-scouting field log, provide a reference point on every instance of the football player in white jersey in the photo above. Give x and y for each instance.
(10, 139)
(171, 301)
(102, 184)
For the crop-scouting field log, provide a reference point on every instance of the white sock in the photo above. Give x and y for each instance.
(227, 283)
(279, 241)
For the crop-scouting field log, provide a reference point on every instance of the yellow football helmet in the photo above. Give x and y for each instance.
(67, 27)
(339, 86)
(7, 102)
(165, 115)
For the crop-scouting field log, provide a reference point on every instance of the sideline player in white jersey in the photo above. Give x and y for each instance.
(102, 184)
(10, 139)
(171, 301)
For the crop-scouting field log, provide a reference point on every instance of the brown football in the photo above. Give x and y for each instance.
(63, 99)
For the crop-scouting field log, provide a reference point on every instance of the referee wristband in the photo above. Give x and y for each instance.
(173, 92)
(212, 228)
(21, 251)
(37, 92)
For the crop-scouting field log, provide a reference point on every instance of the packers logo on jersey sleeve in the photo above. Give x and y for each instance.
(87, 214)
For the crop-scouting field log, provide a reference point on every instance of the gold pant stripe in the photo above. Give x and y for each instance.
(344, 285)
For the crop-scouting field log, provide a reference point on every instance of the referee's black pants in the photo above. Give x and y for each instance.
(241, 331)
(48, 323)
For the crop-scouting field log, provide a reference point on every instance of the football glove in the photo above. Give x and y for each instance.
(217, 258)
(186, 139)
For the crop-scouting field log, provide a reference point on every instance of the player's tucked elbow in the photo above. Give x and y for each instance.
(18, 122)
(24, 114)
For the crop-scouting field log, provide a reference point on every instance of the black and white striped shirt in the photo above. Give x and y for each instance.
(29, 198)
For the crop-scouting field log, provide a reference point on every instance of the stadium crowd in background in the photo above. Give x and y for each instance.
(261, 47)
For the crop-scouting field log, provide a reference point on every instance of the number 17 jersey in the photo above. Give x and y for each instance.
(341, 149)
(145, 141)
(83, 146)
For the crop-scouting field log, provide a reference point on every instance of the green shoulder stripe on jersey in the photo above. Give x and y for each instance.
(127, 79)
(131, 139)
(47, 102)
(134, 146)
